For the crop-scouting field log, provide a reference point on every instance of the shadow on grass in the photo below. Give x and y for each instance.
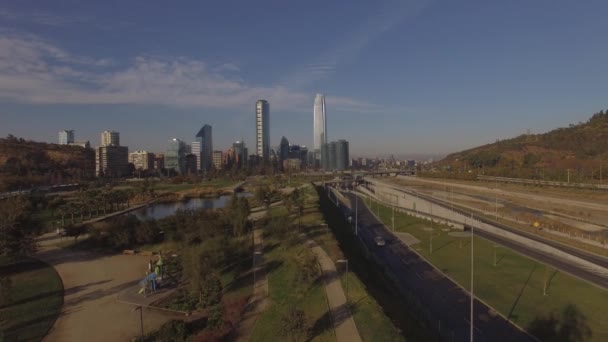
(14, 266)
(521, 292)
(320, 326)
(246, 279)
(445, 244)
(570, 325)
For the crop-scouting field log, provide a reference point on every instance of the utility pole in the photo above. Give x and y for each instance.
(393, 219)
(356, 215)
(472, 270)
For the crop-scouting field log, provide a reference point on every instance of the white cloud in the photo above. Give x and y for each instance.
(35, 71)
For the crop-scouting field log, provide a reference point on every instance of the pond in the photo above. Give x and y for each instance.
(161, 210)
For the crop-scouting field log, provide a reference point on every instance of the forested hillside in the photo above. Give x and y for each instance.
(581, 148)
(24, 164)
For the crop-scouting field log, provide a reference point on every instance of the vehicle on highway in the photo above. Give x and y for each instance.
(379, 241)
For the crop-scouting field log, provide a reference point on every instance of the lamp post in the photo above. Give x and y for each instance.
(472, 265)
(141, 320)
(495, 246)
(356, 215)
(345, 261)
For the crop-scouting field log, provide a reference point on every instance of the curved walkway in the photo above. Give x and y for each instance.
(343, 322)
(91, 283)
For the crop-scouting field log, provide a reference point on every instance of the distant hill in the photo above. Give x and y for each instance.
(582, 148)
(24, 164)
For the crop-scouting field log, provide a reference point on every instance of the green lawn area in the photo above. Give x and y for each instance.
(215, 183)
(35, 299)
(514, 287)
(372, 323)
(285, 292)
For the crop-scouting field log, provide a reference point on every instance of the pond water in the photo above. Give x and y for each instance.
(162, 210)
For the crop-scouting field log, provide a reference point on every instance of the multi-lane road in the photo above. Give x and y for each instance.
(447, 305)
(585, 273)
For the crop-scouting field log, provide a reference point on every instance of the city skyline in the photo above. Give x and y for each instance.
(395, 80)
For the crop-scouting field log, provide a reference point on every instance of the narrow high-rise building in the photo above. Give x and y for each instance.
(320, 128)
(66, 137)
(218, 160)
(262, 131)
(175, 157)
(205, 154)
(110, 138)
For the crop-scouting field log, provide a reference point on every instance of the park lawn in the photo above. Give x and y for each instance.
(285, 292)
(372, 323)
(514, 287)
(35, 300)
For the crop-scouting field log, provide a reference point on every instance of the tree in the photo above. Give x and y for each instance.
(293, 323)
(299, 201)
(262, 194)
(6, 285)
(17, 227)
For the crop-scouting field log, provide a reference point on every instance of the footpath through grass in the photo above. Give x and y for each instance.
(286, 291)
(515, 286)
(34, 301)
(371, 320)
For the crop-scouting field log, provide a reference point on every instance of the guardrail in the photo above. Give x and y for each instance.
(543, 182)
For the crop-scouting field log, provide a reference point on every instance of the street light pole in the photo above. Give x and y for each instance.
(141, 320)
(472, 264)
(356, 215)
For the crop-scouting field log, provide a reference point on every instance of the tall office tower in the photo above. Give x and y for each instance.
(66, 137)
(240, 153)
(218, 160)
(142, 160)
(195, 149)
(112, 161)
(320, 128)
(342, 155)
(175, 157)
(283, 150)
(206, 148)
(262, 131)
(110, 138)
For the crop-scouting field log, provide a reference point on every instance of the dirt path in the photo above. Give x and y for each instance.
(342, 319)
(91, 284)
(259, 300)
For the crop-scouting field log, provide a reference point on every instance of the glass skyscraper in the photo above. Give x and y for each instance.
(262, 131)
(66, 137)
(175, 157)
(205, 154)
(320, 128)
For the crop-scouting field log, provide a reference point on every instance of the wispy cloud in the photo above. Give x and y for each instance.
(33, 70)
(389, 14)
(40, 17)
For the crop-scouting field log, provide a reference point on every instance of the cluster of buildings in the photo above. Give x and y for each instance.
(199, 157)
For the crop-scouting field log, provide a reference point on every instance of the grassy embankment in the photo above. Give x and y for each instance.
(372, 323)
(35, 299)
(514, 287)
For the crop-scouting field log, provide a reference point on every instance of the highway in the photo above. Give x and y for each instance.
(447, 305)
(559, 263)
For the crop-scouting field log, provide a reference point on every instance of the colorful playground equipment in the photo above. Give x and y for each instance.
(153, 279)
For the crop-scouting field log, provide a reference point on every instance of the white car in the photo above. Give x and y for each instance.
(379, 241)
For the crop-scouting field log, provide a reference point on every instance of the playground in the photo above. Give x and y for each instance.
(93, 284)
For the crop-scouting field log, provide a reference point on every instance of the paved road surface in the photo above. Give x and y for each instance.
(445, 300)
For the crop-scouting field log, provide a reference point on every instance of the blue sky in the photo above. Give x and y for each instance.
(399, 76)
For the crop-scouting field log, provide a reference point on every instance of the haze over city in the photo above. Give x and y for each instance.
(399, 76)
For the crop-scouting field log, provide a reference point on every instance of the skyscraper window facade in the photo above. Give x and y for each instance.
(319, 122)
(205, 155)
(262, 132)
(175, 157)
(66, 137)
(110, 138)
